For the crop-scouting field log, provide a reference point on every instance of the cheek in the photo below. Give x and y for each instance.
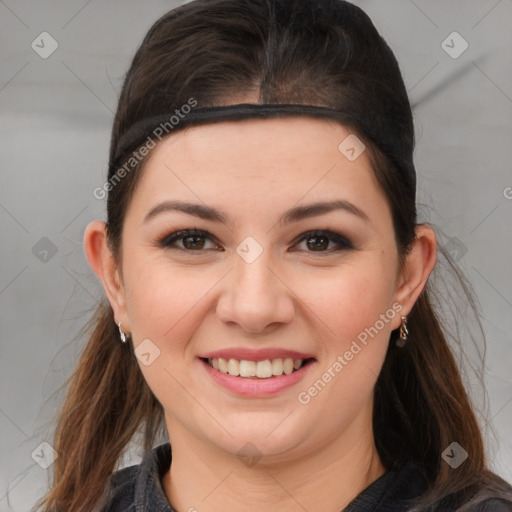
(351, 298)
(354, 312)
(165, 305)
(163, 299)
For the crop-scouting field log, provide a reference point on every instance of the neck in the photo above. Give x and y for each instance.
(207, 479)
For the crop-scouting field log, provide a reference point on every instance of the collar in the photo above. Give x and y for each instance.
(392, 491)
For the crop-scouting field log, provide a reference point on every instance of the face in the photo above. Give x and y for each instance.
(251, 274)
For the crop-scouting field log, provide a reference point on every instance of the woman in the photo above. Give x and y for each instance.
(266, 283)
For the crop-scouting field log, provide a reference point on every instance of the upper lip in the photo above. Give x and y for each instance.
(249, 354)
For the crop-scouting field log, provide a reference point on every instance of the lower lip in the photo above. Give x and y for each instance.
(256, 387)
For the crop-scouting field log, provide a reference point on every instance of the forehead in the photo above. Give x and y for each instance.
(263, 161)
(304, 144)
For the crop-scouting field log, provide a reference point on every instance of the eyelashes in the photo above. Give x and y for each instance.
(196, 241)
(169, 241)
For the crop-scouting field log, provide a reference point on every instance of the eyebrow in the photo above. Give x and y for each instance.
(293, 215)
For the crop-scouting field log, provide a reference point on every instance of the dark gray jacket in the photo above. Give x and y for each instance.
(139, 489)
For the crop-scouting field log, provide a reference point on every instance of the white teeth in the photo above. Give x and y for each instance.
(277, 367)
(223, 365)
(288, 366)
(264, 369)
(261, 369)
(247, 368)
(233, 367)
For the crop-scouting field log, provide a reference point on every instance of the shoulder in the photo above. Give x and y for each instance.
(495, 495)
(411, 482)
(139, 484)
(493, 505)
(120, 495)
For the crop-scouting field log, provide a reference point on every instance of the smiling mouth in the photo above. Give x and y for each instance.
(266, 369)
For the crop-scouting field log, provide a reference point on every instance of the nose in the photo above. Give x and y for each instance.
(255, 297)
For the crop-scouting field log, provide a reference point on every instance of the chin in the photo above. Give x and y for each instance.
(258, 441)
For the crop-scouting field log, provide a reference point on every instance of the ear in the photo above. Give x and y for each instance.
(419, 263)
(103, 263)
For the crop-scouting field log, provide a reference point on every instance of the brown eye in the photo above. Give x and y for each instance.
(189, 240)
(317, 242)
(321, 242)
(193, 242)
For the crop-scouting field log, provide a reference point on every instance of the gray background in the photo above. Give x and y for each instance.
(55, 117)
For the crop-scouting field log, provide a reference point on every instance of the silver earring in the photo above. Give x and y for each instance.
(121, 333)
(404, 333)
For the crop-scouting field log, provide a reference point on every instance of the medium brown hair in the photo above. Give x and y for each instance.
(319, 52)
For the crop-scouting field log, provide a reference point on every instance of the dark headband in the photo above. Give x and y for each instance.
(152, 129)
